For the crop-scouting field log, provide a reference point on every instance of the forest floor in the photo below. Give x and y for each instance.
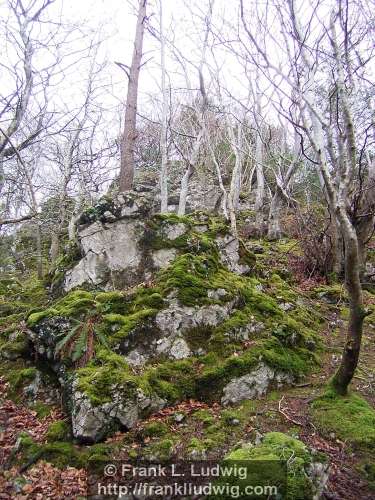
(287, 410)
(207, 429)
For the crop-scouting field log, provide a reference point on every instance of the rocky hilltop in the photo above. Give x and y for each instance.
(159, 309)
(149, 314)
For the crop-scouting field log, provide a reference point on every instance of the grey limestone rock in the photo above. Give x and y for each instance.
(253, 384)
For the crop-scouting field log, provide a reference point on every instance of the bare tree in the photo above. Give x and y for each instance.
(130, 133)
(16, 103)
(164, 121)
(280, 195)
(327, 108)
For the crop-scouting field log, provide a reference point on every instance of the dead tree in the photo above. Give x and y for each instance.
(129, 135)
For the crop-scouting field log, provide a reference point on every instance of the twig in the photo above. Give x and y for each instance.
(281, 410)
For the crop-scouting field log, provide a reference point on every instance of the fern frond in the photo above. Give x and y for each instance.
(80, 345)
(60, 345)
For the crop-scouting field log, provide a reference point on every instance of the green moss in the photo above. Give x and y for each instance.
(350, 418)
(218, 433)
(334, 293)
(58, 431)
(64, 454)
(196, 444)
(148, 298)
(34, 318)
(160, 450)
(105, 373)
(174, 219)
(173, 380)
(60, 454)
(99, 454)
(278, 446)
(204, 416)
(127, 323)
(291, 246)
(190, 275)
(73, 305)
(155, 429)
(15, 348)
(227, 416)
(18, 377)
(192, 240)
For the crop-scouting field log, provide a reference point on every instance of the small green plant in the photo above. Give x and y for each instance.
(78, 343)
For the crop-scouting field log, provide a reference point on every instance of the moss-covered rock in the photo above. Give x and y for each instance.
(194, 327)
(303, 479)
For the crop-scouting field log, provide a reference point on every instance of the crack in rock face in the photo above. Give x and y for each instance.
(108, 249)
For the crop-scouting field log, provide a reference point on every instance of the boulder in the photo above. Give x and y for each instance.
(253, 384)
(112, 254)
(92, 423)
(306, 472)
(230, 254)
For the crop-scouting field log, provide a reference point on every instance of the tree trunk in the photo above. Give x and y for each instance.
(72, 226)
(54, 248)
(349, 361)
(130, 133)
(338, 265)
(274, 228)
(189, 172)
(39, 253)
(184, 190)
(163, 132)
(259, 196)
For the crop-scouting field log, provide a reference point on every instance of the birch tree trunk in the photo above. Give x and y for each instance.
(259, 193)
(274, 227)
(130, 133)
(235, 185)
(337, 191)
(192, 162)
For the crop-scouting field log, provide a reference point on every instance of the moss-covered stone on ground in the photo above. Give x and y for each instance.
(276, 446)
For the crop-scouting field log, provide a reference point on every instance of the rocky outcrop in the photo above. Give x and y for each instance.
(168, 334)
(117, 252)
(109, 237)
(178, 307)
(92, 423)
(254, 384)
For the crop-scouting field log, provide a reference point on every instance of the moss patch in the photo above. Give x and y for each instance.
(278, 446)
(350, 418)
(58, 431)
